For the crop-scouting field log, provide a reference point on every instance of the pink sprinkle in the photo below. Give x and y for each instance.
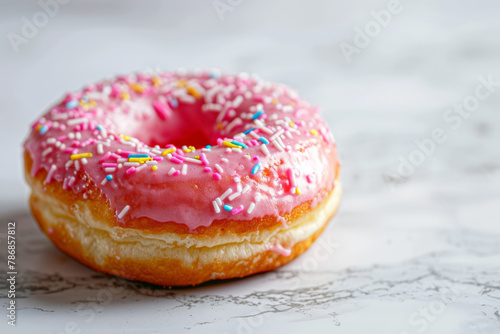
(216, 176)
(177, 172)
(62, 138)
(207, 169)
(68, 150)
(161, 109)
(106, 156)
(203, 159)
(109, 164)
(258, 98)
(178, 156)
(256, 158)
(50, 174)
(219, 141)
(291, 178)
(254, 142)
(309, 178)
(158, 158)
(116, 156)
(237, 210)
(177, 161)
(130, 171)
(300, 112)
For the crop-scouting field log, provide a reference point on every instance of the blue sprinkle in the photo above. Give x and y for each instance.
(264, 140)
(248, 131)
(257, 114)
(44, 129)
(99, 128)
(138, 156)
(213, 75)
(109, 177)
(255, 169)
(85, 99)
(228, 207)
(238, 143)
(72, 104)
(174, 103)
(208, 146)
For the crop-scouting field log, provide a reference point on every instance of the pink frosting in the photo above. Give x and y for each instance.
(285, 161)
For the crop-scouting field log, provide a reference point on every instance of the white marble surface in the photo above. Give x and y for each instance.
(412, 254)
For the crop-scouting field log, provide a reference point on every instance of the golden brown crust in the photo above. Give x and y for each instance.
(67, 222)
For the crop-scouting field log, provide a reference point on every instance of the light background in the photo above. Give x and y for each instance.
(442, 218)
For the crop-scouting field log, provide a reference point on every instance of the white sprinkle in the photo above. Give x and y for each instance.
(62, 147)
(120, 166)
(251, 207)
(293, 190)
(276, 134)
(100, 149)
(235, 122)
(247, 188)
(239, 187)
(131, 164)
(219, 201)
(71, 181)
(68, 164)
(287, 109)
(122, 160)
(171, 171)
(143, 166)
(152, 162)
(71, 135)
(233, 196)
(280, 142)
(60, 116)
(264, 149)
(277, 145)
(237, 101)
(84, 161)
(76, 121)
(224, 160)
(184, 169)
(237, 150)
(257, 197)
(77, 165)
(124, 212)
(288, 134)
(219, 168)
(206, 149)
(51, 140)
(51, 173)
(104, 182)
(78, 136)
(196, 161)
(227, 192)
(47, 151)
(216, 207)
(110, 169)
(253, 134)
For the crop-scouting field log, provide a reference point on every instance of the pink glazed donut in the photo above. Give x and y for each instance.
(181, 178)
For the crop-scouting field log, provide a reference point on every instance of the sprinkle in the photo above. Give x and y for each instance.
(77, 165)
(248, 131)
(228, 144)
(237, 121)
(171, 171)
(237, 150)
(314, 132)
(203, 159)
(131, 164)
(154, 168)
(264, 149)
(124, 212)
(264, 140)
(256, 168)
(100, 149)
(239, 187)
(207, 169)
(239, 144)
(247, 188)
(251, 207)
(68, 164)
(104, 181)
(47, 151)
(309, 178)
(277, 145)
(226, 193)
(110, 169)
(50, 174)
(76, 121)
(184, 169)
(277, 134)
(71, 181)
(81, 155)
(109, 177)
(257, 114)
(44, 129)
(228, 207)
(72, 104)
(216, 207)
(291, 177)
(176, 173)
(237, 210)
(161, 109)
(84, 161)
(167, 151)
(219, 201)
(219, 168)
(297, 191)
(130, 171)
(233, 196)
(196, 161)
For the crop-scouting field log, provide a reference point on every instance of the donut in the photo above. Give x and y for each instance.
(179, 178)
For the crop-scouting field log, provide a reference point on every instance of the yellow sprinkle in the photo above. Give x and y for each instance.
(141, 160)
(137, 87)
(314, 132)
(193, 92)
(127, 138)
(297, 191)
(192, 148)
(156, 81)
(38, 127)
(170, 150)
(292, 123)
(275, 101)
(219, 126)
(181, 83)
(228, 144)
(187, 150)
(125, 96)
(81, 155)
(292, 103)
(154, 168)
(197, 157)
